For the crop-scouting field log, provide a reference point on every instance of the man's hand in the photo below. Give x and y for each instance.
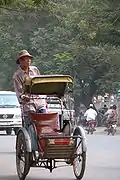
(25, 98)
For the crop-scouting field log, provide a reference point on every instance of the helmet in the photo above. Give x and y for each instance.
(105, 105)
(91, 105)
(114, 107)
(111, 106)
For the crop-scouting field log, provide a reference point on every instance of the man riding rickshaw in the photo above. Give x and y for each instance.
(40, 142)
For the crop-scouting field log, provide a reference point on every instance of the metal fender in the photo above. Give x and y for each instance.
(80, 131)
(27, 138)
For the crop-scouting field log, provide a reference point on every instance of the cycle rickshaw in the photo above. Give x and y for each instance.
(52, 145)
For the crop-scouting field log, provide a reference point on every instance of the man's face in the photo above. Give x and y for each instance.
(25, 61)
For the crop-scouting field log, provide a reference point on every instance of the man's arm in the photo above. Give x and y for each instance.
(85, 114)
(36, 70)
(96, 113)
(17, 87)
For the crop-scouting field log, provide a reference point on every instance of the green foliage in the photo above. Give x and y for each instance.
(76, 37)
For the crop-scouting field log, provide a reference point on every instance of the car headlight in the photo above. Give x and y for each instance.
(17, 116)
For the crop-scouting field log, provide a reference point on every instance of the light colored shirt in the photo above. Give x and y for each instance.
(18, 82)
(112, 114)
(90, 114)
(109, 112)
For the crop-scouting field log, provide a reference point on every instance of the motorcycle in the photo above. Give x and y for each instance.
(111, 129)
(90, 127)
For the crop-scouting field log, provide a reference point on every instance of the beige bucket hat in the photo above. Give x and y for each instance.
(22, 54)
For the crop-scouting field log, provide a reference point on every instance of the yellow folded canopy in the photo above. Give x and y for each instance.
(47, 84)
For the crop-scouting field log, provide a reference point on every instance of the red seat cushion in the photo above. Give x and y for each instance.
(46, 123)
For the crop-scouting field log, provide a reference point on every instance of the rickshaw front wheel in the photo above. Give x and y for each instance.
(22, 156)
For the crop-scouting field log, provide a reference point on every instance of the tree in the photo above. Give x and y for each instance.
(80, 38)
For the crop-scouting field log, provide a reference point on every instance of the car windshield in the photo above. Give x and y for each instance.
(8, 100)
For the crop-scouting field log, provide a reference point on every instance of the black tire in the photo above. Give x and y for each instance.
(8, 131)
(80, 175)
(113, 132)
(22, 156)
(92, 131)
(108, 131)
(80, 158)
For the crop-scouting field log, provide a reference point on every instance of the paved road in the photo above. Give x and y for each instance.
(103, 160)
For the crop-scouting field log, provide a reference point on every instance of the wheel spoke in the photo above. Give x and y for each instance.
(21, 159)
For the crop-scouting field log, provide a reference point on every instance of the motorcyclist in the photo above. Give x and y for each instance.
(115, 114)
(104, 109)
(115, 110)
(90, 114)
(101, 115)
(111, 115)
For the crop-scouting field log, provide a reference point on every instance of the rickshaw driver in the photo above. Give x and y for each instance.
(27, 104)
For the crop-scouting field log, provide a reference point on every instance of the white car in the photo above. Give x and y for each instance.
(10, 112)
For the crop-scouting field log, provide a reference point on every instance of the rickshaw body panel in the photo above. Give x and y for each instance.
(59, 150)
(53, 144)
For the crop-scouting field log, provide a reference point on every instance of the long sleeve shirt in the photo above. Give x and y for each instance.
(18, 82)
